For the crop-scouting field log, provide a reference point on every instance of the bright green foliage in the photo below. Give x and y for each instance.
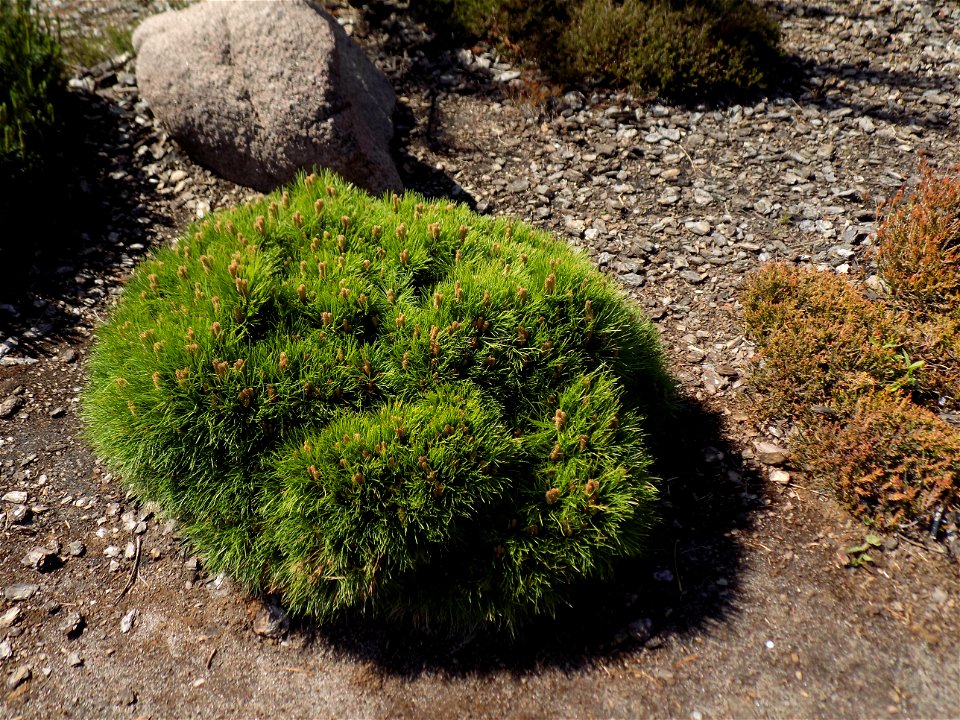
(386, 406)
(679, 48)
(30, 82)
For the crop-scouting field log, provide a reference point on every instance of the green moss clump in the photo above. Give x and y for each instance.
(384, 406)
(682, 49)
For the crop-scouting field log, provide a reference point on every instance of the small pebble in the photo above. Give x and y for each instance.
(72, 625)
(769, 453)
(127, 621)
(271, 621)
(16, 497)
(10, 617)
(19, 676)
(781, 477)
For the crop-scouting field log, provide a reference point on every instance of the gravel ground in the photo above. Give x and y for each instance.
(745, 608)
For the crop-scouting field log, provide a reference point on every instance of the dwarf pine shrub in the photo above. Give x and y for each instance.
(386, 406)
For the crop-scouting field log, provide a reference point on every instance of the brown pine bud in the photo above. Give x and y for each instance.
(559, 419)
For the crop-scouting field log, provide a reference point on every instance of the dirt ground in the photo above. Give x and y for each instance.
(747, 606)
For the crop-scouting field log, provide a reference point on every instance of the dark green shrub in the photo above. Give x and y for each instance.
(679, 48)
(392, 407)
(30, 84)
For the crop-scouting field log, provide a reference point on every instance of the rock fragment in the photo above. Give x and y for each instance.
(20, 591)
(770, 453)
(18, 677)
(271, 622)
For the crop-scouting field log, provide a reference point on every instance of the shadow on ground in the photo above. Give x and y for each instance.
(87, 219)
(433, 71)
(688, 580)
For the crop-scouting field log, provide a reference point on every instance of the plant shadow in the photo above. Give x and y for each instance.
(688, 579)
(87, 222)
(435, 68)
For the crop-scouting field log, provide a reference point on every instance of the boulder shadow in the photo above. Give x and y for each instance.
(418, 176)
(687, 581)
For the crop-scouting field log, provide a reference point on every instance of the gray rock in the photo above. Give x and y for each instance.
(41, 559)
(19, 514)
(10, 617)
(9, 405)
(712, 381)
(259, 90)
(18, 677)
(640, 629)
(72, 625)
(271, 621)
(17, 497)
(769, 453)
(74, 659)
(6, 650)
(699, 227)
(128, 620)
(76, 548)
(20, 591)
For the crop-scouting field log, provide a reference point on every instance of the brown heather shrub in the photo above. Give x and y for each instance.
(892, 461)
(918, 245)
(881, 369)
(820, 342)
(918, 256)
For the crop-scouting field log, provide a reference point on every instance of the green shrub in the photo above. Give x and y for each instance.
(392, 407)
(30, 85)
(678, 48)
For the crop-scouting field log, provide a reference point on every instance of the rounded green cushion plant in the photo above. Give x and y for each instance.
(384, 406)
